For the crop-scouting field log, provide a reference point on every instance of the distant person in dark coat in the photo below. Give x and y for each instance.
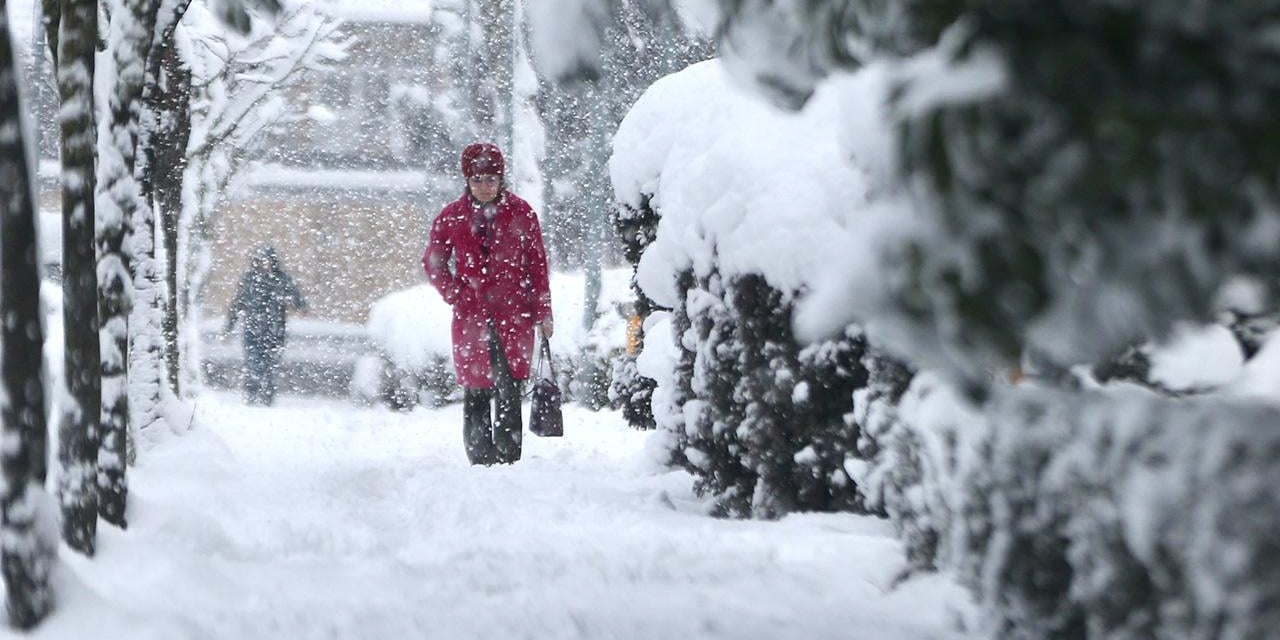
(266, 292)
(486, 258)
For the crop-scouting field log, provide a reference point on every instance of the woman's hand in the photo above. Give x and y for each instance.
(547, 328)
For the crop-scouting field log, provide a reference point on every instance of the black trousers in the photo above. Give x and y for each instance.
(261, 366)
(490, 438)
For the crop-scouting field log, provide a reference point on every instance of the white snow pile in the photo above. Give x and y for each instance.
(413, 327)
(1197, 358)
(772, 201)
(1260, 377)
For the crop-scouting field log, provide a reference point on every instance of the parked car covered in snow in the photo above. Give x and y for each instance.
(414, 365)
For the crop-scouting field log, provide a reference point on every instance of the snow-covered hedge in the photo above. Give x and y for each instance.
(1125, 515)
(636, 227)
(1099, 510)
(1113, 512)
(412, 329)
(745, 223)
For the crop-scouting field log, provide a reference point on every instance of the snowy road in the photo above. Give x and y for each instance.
(318, 520)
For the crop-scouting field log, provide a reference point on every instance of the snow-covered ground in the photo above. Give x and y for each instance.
(314, 519)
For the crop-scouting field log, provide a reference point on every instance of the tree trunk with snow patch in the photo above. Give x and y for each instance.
(27, 549)
(163, 145)
(129, 38)
(78, 444)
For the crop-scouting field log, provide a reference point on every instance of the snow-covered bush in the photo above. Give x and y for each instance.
(1050, 183)
(590, 369)
(1123, 514)
(1059, 194)
(637, 228)
(632, 391)
(412, 329)
(742, 225)
(763, 423)
(585, 356)
(1117, 512)
(366, 380)
(889, 471)
(795, 402)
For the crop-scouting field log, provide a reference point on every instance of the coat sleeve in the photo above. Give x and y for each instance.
(237, 305)
(537, 271)
(435, 261)
(295, 294)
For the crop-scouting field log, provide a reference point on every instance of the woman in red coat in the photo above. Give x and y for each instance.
(486, 258)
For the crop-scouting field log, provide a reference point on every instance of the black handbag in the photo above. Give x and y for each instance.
(545, 418)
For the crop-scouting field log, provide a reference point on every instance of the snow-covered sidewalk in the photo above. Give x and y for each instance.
(318, 520)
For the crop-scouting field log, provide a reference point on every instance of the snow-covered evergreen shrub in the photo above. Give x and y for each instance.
(742, 225)
(673, 399)
(633, 393)
(889, 467)
(765, 427)
(714, 445)
(1123, 515)
(433, 384)
(796, 403)
(365, 388)
(875, 408)
(1060, 178)
(829, 372)
(584, 364)
(636, 227)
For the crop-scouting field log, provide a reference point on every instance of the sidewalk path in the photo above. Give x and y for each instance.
(315, 519)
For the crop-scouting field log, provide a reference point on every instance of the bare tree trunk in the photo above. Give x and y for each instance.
(78, 444)
(496, 71)
(171, 105)
(29, 551)
(166, 98)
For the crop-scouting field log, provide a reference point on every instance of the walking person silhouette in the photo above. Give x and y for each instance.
(486, 258)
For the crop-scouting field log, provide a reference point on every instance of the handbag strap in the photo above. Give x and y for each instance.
(545, 352)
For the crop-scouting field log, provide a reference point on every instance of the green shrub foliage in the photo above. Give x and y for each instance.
(766, 427)
(636, 228)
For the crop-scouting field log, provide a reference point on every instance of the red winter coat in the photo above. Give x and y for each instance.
(507, 284)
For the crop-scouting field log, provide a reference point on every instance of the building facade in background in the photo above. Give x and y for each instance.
(345, 192)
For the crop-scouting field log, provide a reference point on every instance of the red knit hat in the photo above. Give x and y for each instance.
(481, 159)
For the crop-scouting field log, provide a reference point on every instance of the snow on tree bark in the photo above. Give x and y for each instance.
(167, 98)
(28, 548)
(761, 422)
(78, 441)
(128, 40)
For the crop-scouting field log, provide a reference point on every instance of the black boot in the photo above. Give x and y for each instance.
(508, 433)
(477, 426)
